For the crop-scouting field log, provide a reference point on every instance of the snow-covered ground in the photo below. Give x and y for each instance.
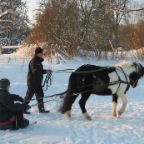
(54, 128)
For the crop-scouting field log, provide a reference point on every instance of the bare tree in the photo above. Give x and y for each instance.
(94, 25)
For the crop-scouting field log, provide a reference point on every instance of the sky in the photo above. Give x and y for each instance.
(32, 5)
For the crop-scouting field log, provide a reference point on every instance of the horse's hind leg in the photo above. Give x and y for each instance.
(69, 105)
(82, 103)
(114, 104)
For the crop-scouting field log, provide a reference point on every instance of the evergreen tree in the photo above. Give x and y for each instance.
(14, 24)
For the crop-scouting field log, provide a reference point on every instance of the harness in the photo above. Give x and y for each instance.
(101, 83)
(121, 81)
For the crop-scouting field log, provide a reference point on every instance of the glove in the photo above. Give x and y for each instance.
(27, 107)
(48, 71)
(17, 98)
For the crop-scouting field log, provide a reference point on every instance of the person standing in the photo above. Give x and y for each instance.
(11, 108)
(34, 80)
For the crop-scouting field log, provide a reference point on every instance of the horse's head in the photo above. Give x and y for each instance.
(136, 74)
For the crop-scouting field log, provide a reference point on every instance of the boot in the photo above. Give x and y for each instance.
(25, 111)
(41, 107)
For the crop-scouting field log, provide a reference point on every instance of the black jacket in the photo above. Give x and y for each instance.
(9, 105)
(36, 71)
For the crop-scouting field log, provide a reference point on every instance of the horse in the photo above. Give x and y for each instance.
(90, 79)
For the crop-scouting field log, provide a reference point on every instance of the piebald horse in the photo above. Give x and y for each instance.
(90, 79)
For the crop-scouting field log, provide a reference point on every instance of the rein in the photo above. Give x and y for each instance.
(43, 102)
(79, 72)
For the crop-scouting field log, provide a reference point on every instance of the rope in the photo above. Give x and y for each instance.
(65, 70)
(60, 97)
(43, 102)
(47, 81)
(49, 96)
(54, 99)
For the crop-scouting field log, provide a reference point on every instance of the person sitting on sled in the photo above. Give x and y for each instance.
(11, 108)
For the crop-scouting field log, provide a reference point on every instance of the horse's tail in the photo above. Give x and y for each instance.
(66, 104)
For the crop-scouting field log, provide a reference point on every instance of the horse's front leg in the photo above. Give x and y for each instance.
(114, 104)
(82, 103)
(124, 104)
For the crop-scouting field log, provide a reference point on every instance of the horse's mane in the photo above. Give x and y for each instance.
(139, 68)
(124, 64)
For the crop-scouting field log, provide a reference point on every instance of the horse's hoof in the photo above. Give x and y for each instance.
(87, 116)
(119, 114)
(114, 114)
(68, 114)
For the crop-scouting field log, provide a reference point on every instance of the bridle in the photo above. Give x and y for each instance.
(138, 74)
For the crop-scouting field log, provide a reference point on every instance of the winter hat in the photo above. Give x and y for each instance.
(38, 50)
(4, 83)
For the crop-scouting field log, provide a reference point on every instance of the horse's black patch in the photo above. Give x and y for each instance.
(133, 79)
(99, 85)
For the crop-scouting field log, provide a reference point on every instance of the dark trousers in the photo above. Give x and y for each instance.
(17, 122)
(34, 89)
(38, 91)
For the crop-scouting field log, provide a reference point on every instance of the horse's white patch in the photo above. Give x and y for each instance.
(122, 72)
(114, 104)
(113, 78)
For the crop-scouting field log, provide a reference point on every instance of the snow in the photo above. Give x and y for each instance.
(11, 47)
(55, 128)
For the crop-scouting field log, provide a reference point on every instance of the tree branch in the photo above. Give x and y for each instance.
(126, 11)
(4, 13)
